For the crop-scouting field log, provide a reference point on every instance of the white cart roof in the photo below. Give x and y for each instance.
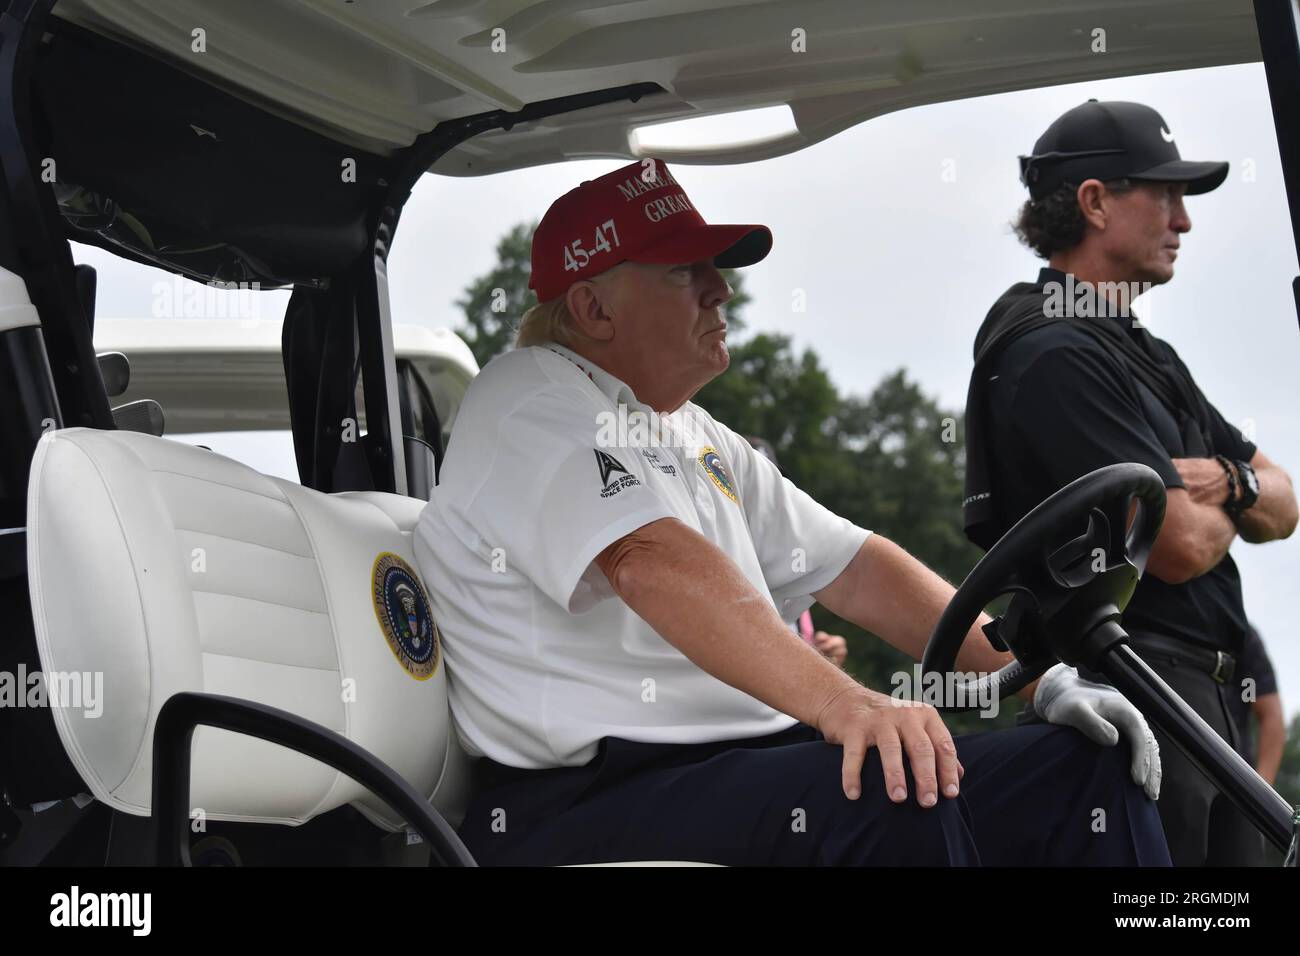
(377, 73)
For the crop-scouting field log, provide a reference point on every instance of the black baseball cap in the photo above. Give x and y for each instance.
(1113, 140)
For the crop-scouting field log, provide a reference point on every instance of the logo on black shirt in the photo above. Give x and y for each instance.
(608, 464)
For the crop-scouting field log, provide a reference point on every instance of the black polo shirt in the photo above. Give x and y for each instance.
(1060, 405)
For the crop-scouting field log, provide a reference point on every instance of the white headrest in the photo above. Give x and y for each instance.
(165, 567)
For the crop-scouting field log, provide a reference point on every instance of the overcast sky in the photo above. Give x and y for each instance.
(899, 262)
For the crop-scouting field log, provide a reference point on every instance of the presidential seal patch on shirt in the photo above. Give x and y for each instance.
(712, 465)
(402, 609)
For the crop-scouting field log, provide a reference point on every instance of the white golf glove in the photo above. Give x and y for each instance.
(1100, 713)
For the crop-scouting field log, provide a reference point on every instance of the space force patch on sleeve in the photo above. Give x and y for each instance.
(402, 608)
(612, 482)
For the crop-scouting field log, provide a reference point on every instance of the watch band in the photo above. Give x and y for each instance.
(1249, 490)
(1230, 504)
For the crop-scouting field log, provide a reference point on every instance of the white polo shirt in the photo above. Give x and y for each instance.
(542, 473)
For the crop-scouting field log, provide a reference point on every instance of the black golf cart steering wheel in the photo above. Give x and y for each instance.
(1071, 564)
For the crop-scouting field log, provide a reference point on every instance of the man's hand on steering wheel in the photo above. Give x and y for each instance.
(859, 719)
(1100, 713)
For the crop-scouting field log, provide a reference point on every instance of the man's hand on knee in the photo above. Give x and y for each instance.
(859, 719)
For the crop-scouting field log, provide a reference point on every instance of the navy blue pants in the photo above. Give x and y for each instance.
(1032, 795)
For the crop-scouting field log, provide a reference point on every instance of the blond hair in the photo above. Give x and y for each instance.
(546, 322)
(551, 321)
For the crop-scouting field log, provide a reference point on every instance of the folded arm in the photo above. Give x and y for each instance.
(1273, 516)
(1197, 531)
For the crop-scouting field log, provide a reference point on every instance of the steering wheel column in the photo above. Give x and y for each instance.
(1071, 565)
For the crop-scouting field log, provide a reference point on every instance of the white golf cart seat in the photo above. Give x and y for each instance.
(166, 567)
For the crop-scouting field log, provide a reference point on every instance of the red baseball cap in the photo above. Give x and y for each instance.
(638, 213)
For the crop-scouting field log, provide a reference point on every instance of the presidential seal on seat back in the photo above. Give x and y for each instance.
(402, 609)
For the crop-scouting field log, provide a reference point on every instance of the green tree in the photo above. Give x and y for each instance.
(493, 303)
(771, 393)
(906, 459)
(1288, 775)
